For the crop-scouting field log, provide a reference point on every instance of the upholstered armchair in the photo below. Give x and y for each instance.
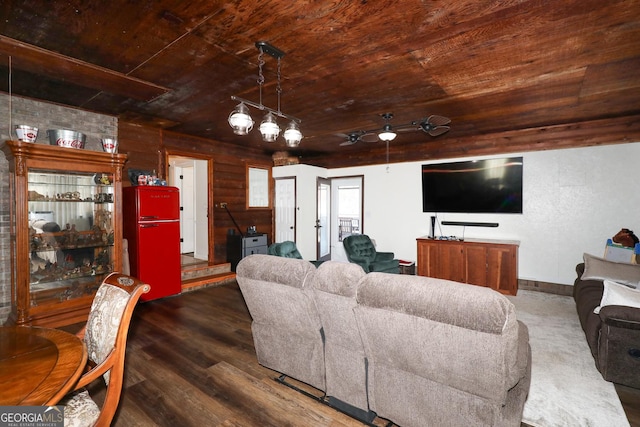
(360, 250)
(288, 249)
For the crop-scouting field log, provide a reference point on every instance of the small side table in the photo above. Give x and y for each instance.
(407, 267)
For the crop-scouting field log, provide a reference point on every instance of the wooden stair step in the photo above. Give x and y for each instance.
(208, 280)
(205, 270)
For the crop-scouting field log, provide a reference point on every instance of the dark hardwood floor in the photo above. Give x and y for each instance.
(191, 362)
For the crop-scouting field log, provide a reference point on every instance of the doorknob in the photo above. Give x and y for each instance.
(291, 228)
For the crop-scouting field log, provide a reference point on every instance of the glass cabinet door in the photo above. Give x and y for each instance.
(70, 225)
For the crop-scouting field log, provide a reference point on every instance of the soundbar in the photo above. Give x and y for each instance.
(470, 224)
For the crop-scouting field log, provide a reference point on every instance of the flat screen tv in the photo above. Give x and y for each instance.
(482, 186)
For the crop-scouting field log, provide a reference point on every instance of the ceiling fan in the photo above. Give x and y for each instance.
(356, 136)
(433, 125)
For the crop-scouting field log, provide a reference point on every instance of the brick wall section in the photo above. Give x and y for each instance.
(44, 116)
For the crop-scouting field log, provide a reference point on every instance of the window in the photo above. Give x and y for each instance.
(258, 178)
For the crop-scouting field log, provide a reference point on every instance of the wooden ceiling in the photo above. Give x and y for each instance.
(508, 73)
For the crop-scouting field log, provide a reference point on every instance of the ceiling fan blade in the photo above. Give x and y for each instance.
(438, 120)
(406, 128)
(348, 143)
(439, 130)
(369, 137)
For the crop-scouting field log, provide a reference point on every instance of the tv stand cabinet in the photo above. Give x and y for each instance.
(490, 263)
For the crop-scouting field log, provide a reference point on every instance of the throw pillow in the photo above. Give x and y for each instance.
(596, 268)
(617, 294)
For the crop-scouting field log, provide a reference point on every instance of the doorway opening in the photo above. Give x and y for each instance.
(192, 177)
(347, 212)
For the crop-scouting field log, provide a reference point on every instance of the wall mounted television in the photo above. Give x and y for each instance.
(481, 186)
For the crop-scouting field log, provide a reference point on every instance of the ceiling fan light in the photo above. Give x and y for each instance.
(240, 120)
(387, 134)
(292, 134)
(269, 128)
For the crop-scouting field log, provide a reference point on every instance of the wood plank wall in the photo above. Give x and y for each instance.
(147, 147)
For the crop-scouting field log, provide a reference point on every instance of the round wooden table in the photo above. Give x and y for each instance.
(38, 366)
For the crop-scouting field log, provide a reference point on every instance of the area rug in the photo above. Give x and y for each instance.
(566, 388)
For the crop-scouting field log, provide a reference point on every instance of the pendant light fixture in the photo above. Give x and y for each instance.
(269, 128)
(240, 120)
(292, 134)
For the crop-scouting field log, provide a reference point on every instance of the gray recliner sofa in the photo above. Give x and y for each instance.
(335, 288)
(442, 353)
(415, 350)
(286, 328)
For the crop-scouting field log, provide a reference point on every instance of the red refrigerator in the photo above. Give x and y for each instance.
(151, 224)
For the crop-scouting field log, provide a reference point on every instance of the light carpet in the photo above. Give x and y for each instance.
(566, 388)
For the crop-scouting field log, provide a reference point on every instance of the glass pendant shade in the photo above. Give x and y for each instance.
(269, 128)
(387, 134)
(240, 120)
(292, 135)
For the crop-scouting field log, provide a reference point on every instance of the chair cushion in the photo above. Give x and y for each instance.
(360, 248)
(386, 266)
(79, 409)
(103, 322)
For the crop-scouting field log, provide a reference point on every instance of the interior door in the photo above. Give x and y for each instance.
(200, 214)
(187, 218)
(322, 219)
(285, 209)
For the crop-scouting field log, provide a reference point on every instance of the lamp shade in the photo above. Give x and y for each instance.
(387, 133)
(292, 134)
(269, 128)
(240, 120)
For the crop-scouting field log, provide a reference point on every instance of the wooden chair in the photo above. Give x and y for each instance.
(105, 336)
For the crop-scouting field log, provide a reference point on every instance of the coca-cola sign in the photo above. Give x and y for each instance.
(66, 138)
(70, 143)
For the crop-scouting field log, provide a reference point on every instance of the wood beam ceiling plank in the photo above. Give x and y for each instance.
(54, 65)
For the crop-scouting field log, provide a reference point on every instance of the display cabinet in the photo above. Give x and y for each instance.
(66, 230)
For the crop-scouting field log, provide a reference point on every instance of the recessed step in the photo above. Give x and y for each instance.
(204, 270)
(208, 280)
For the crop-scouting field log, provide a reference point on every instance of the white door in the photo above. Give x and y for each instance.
(200, 215)
(183, 179)
(322, 219)
(285, 207)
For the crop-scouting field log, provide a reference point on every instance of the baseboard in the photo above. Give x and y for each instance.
(550, 288)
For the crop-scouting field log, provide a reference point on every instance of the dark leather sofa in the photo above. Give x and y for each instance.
(613, 334)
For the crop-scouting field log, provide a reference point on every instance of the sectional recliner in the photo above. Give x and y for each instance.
(414, 350)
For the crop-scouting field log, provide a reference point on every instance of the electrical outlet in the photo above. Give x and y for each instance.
(223, 205)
